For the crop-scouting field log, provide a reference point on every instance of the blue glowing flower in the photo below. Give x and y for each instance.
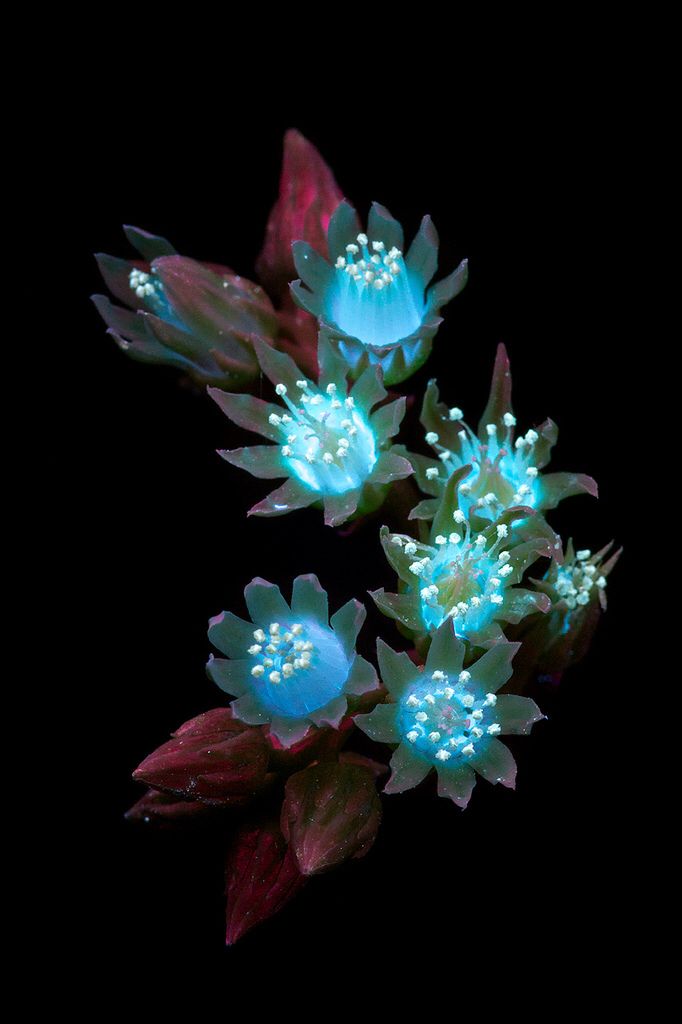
(291, 667)
(575, 586)
(197, 317)
(468, 571)
(374, 304)
(448, 718)
(505, 468)
(334, 450)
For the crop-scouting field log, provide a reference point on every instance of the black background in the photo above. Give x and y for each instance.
(523, 883)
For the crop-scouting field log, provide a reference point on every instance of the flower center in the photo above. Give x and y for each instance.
(463, 577)
(301, 667)
(374, 298)
(327, 443)
(444, 720)
(576, 582)
(503, 473)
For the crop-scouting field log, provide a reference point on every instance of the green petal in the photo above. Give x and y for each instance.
(312, 268)
(230, 634)
(519, 602)
(448, 288)
(278, 367)
(333, 367)
(398, 671)
(382, 227)
(249, 412)
(386, 421)
(344, 227)
(362, 679)
(422, 258)
(554, 487)
(309, 599)
(457, 784)
(331, 714)
(389, 467)
(265, 602)
(289, 730)
(368, 388)
(380, 724)
(495, 764)
(306, 299)
(499, 400)
(403, 607)
(287, 498)
(148, 245)
(261, 460)
(347, 623)
(249, 710)
(340, 507)
(516, 715)
(231, 676)
(426, 509)
(446, 651)
(494, 668)
(407, 771)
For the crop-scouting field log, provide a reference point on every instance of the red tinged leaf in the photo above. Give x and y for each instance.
(164, 810)
(308, 195)
(261, 877)
(212, 758)
(331, 812)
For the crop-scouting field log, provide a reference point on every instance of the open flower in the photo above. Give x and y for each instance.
(291, 667)
(198, 317)
(576, 590)
(448, 718)
(506, 469)
(468, 571)
(334, 450)
(374, 303)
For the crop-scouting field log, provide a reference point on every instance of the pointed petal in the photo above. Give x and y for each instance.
(265, 602)
(516, 715)
(449, 504)
(278, 367)
(407, 771)
(389, 467)
(347, 623)
(311, 303)
(425, 509)
(249, 412)
(499, 401)
(382, 227)
(340, 507)
(519, 602)
(494, 668)
(398, 671)
(148, 245)
(542, 449)
(260, 460)
(309, 599)
(495, 763)
(386, 421)
(344, 228)
(362, 679)
(457, 784)
(403, 607)
(116, 275)
(123, 321)
(287, 498)
(312, 268)
(422, 257)
(369, 388)
(557, 486)
(449, 287)
(333, 367)
(446, 651)
(380, 724)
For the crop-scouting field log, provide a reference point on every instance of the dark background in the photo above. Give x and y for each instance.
(521, 884)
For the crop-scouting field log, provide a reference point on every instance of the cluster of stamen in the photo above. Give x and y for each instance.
(377, 269)
(280, 652)
(327, 441)
(503, 473)
(578, 581)
(443, 719)
(461, 576)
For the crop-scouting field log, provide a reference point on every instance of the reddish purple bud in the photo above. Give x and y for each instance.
(308, 195)
(212, 758)
(331, 812)
(164, 809)
(261, 877)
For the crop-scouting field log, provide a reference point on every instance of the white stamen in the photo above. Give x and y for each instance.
(509, 420)
(468, 750)
(494, 729)
(491, 429)
(413, 736)
(458, 516)
(455, 414)
(281, 389)
(502, 531)
(431, 438)
(443, 755)
(434, 737)
(421, 716)
(432, 473)
(259, 635)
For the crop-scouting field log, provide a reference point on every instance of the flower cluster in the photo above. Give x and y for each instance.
(480, 619)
